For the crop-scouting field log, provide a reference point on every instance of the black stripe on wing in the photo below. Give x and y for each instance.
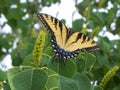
(40, 16)
(90, 49)
(54, 20)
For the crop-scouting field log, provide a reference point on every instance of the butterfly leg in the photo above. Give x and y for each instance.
(65, 62)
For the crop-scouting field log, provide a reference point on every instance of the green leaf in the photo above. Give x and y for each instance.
(3, 75)
(104, 44)
(45, 59)
(110, 17)
(11, 73)
(28, 60)
(101, 17)
(116, 88)
(48, 52)
(32, 79)
(77, 24)
(103, 58)
(16, 58)
(91, 24)
(57, 82)
(82, 6)
(63, 69)
(6, 41)
(83, 81)
(63, 21)
(28, 46)
(95, 32)
(53, 80)
(90, 61)
(101, 3)
(80, 62)
(68, 84)
(97, 19)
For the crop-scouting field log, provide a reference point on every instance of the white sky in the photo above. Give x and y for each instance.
(65, 11)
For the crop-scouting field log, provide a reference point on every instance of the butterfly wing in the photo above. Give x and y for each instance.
(56, 27)
(80, 41)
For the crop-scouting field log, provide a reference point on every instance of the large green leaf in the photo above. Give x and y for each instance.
(90, 61)
(53, 80)
(57, 82)
(65, 69)
(83, 81)
(31, 79)
(67, 84)
(11, 73)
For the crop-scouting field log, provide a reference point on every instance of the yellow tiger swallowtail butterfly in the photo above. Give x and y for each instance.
(66, 44)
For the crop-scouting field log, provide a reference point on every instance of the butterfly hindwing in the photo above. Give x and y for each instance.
(65, 43)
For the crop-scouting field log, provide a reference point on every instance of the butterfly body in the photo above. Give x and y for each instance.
(66, 44)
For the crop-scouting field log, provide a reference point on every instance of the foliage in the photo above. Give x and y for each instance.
(88, 71)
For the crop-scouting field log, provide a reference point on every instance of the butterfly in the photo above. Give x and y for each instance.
(66, 43)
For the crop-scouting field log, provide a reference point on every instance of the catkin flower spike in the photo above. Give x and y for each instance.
(37, 51)
(1, 85)
(108, 75)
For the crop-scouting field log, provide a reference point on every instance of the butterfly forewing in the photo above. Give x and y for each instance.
(56, 27)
